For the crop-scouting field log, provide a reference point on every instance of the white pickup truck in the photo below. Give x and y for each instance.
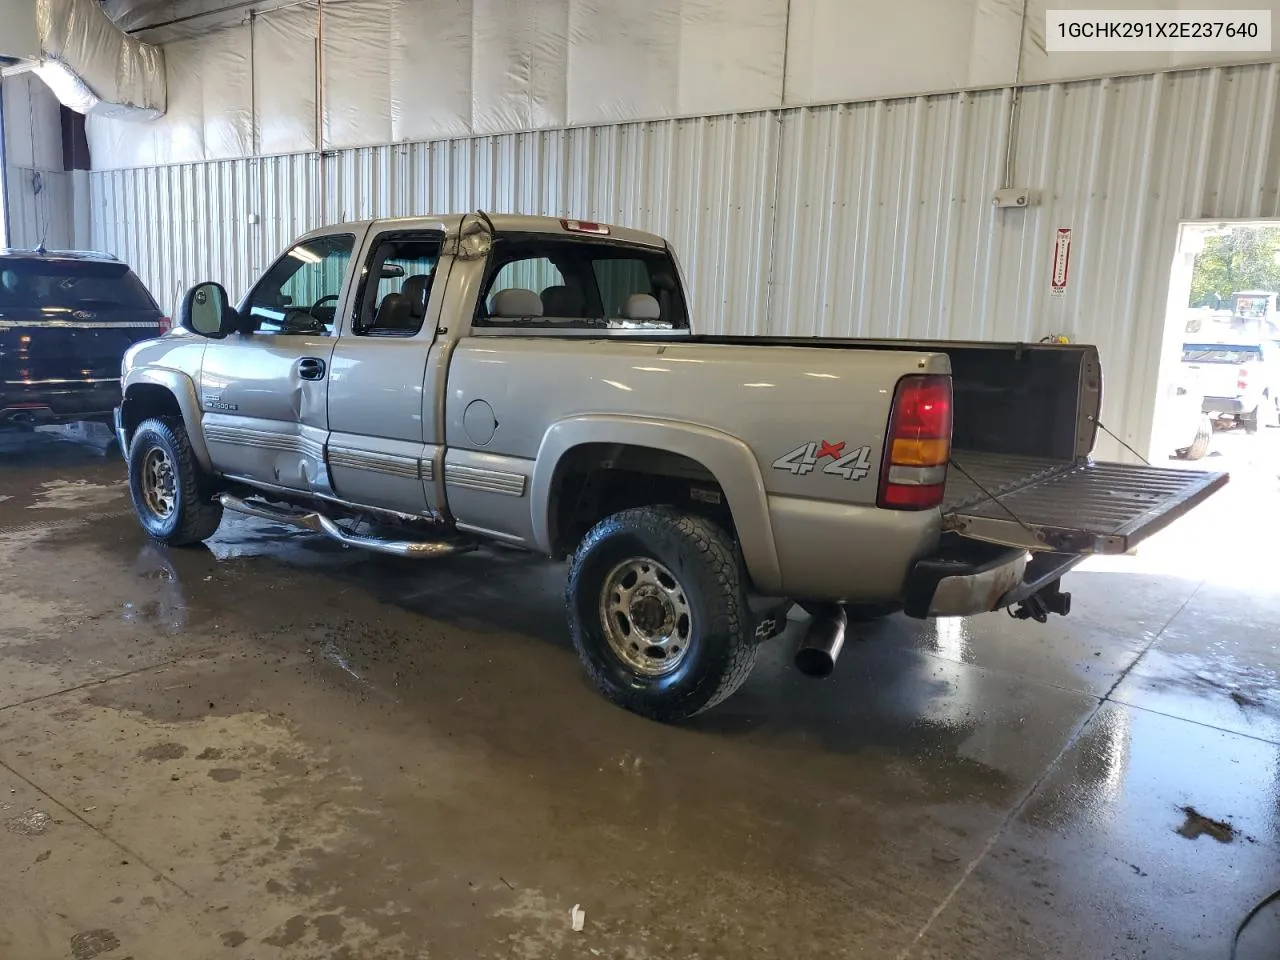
(422, 386)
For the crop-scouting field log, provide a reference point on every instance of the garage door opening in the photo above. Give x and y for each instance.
(1219, 397)
(1218, 401)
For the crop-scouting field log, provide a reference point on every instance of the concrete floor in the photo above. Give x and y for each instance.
(277, 748)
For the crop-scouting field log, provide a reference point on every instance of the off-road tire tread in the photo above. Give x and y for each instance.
(721, 564)
(198, 513)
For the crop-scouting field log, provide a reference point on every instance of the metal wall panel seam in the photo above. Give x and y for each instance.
(1142, 288)
(1266, 134)
(872, 154)
(942, 309)
(1199, 180)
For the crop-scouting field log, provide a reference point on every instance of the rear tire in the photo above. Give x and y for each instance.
(1200, 446)
(172, 495)
(659, 614)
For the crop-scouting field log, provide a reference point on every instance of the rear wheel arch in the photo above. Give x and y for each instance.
(595, 480)
(678, 458)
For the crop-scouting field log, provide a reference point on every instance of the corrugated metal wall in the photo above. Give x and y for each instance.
(869, 219)
(187, 222)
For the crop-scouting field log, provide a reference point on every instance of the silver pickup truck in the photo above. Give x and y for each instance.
(422, 386)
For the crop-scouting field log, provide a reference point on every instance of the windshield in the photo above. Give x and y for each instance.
(1221, 353)
(60, 285)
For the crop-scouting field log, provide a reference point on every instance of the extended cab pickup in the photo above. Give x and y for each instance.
(420, 386)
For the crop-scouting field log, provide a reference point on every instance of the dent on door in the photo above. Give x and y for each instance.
(265, 409)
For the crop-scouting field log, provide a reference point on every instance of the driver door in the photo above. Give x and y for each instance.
(264, 390)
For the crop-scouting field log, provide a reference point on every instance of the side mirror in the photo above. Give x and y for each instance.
(206, 311)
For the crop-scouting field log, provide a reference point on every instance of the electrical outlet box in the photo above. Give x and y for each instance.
(1015, 197)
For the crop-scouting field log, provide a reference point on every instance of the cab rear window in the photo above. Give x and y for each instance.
(71, 285)
(1220, 353)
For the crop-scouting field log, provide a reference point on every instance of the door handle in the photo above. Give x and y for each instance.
(311, 368)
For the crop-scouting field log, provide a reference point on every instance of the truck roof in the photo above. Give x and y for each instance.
(504, 223)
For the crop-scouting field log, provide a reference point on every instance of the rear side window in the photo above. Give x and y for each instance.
(1221, 353)
(547, 282)
(396, 288)
(71, 285)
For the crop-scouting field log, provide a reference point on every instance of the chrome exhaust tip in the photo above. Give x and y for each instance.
(816, 656)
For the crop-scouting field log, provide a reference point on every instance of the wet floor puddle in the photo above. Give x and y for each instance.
(1198, 825)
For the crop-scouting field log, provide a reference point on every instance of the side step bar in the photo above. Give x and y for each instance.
(319, 523)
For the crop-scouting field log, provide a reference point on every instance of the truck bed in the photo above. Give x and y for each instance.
(973, 476)
(1021, 474)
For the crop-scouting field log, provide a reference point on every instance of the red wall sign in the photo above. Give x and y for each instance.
(1061, 262)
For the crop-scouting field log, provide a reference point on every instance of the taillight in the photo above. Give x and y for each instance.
(1242, 379)
(918, 444)
(165, 325)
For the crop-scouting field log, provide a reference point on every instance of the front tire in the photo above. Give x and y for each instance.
(171, 495)
(658, 611)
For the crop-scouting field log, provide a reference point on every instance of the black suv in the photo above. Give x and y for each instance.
(66, 320)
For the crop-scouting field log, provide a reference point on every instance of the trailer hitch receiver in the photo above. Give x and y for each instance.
(1047, 600)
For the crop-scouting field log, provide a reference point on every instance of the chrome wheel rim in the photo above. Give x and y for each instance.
(646, 617)
(159, 484)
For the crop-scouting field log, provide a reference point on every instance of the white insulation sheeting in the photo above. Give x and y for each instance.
(893, 49)
(408, 70)
(95, 68)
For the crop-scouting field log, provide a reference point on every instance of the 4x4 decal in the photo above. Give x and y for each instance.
(805, 458)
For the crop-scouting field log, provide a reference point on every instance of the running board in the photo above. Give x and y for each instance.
(319, 523)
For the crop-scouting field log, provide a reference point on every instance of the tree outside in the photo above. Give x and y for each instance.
(1247, 258)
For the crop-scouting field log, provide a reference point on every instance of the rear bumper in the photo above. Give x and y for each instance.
(966, 577)
(60, 402)
(963, 578)
(1223, 405)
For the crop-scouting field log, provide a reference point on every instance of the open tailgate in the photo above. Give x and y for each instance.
(1073, 508)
